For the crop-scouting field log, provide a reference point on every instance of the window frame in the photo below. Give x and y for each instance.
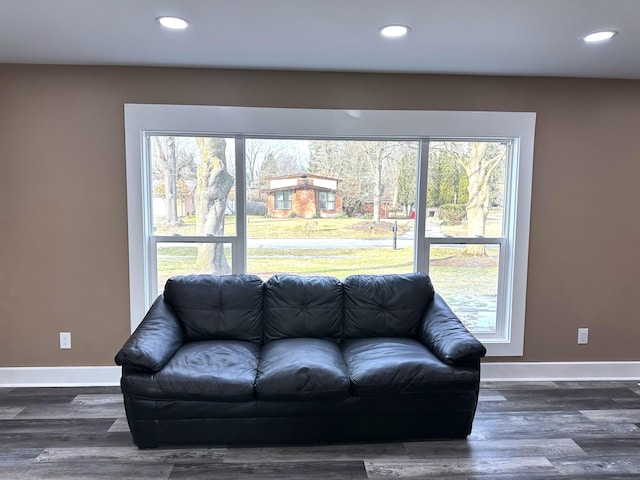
(284, 200)
(242, 122)
(506, 255)
(503, 290)
(330, 199)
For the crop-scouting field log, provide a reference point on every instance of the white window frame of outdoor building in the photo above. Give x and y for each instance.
(281, 203)
(326, 200)
(516, 128)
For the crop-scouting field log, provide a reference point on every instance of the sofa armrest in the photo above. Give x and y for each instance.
(155, 341)
(443, 333)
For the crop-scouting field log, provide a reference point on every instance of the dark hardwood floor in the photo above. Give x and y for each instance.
(566, 430)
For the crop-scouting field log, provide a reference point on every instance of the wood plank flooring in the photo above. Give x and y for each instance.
(541, 430)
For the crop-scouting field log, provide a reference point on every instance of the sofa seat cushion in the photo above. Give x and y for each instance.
(389, 366)
(301, 368)
(220, 370)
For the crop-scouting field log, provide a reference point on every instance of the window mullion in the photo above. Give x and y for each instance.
(152, 268)
(238, 246)
(421, 250)
(503, 329)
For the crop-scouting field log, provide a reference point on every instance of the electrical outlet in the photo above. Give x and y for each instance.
(65, 340)
(583, 336)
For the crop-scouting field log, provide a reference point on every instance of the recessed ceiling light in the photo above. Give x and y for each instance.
(394, 31)
(175, 23)
(600, 36)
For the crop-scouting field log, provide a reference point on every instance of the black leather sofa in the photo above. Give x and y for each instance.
(235, 360)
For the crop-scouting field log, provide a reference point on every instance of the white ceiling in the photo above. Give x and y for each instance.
(496, 37)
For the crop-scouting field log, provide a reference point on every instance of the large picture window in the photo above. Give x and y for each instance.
(265, 191)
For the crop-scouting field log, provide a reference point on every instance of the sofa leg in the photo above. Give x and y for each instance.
(145, 443)
(147, 446)
(146, 438)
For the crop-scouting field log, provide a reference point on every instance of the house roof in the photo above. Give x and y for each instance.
(304, 175)
(300, 187)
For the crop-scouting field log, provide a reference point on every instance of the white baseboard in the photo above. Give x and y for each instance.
(559, 371)
(502, 371)
(59, 376)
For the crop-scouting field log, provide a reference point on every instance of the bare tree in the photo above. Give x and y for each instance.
(365, 168)
(339, 159)
(479, 160)
(405, 178)
(214, 184)
(258, 151)
(173, 164)
(329, 157)
(380, 156)
(164, 151)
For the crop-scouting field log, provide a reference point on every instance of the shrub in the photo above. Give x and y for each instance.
(256, 208)
(453, 213)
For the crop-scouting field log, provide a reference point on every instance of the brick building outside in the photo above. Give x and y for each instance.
(303, 195)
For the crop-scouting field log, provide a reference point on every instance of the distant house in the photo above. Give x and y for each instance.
(185, 200)
(303, 195)
(367, 207)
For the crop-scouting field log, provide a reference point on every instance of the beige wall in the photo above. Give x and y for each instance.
(63, 218)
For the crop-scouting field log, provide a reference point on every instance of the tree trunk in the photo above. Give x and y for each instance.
(479, 168)
(214, 185)
(377, 187)
(170, 194)
(165, 153)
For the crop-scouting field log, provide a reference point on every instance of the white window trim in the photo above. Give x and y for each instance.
(329, 199)
(283, 199)
(287, 122)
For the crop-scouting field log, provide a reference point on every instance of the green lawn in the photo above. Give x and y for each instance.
(266, 262)
(338, 263)
(264, 227)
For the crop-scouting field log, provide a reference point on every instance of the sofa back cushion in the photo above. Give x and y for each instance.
(297, 307)
(385, 305)
(217, 307)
